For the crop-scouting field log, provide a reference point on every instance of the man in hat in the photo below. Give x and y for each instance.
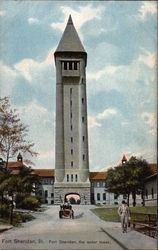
(124, 214)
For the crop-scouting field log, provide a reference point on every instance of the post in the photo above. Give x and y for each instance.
(11, 211)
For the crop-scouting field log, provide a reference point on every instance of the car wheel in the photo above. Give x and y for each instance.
(60, 216)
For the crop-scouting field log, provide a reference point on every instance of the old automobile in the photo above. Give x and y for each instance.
(66, 211)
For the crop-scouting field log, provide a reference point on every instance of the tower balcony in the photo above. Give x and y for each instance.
(71, 73)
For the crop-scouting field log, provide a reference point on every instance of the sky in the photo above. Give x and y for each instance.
(120, 38)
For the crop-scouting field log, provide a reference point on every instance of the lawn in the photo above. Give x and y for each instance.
(18, 218)
(110, 214)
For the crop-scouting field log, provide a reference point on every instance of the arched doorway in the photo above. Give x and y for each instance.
(73, 198)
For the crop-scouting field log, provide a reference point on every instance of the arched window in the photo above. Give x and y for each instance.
(67, 178)
(72, 178)
(98, 196)
(76, 177)
(104, 196)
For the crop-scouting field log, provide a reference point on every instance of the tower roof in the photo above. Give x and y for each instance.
(124, 158)
(70, 41)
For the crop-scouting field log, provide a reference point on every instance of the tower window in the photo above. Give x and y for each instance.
(82, 119)
(82, 100)
(65, 65)
(83, 157)
(71, 163)
(67, 178)
(71, 127)
(83, 138)
(75, 65)
(71, 139)
(72, 178)
(76, 177)
(71, 151)
(70, 91)
(71, 114)
(70, 65)
(71, 103)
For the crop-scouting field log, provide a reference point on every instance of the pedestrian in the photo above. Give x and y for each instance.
(124, 214)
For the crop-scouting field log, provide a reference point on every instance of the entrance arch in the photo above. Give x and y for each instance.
(73, 198)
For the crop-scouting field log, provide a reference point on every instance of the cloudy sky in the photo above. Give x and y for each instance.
(120, 39)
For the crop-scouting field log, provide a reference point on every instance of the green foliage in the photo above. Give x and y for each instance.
(30, 202)
(23, 217)
(111, 214)
(24, 201)
(19, 199)
(107, 214)
(4, 210)
(13, 134)
(129, 178)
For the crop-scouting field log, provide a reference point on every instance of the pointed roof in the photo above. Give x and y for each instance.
(70, 41)
(124, 158)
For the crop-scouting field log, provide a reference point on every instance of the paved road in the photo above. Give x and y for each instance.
(86, 231)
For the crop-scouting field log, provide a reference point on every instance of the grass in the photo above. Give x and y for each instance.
(17, 219)
(110, 214)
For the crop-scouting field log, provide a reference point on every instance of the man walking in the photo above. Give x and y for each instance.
(124, 214)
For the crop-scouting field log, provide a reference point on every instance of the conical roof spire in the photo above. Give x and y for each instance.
(70, 41)
(70, 20)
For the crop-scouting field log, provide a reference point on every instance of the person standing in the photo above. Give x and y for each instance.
(124, 214)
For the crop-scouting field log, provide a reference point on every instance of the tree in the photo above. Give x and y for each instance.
(13, 134)
(24, 182)
(138, 170)
(13, 138)
(128, 179)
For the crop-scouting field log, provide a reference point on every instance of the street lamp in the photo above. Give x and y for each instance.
(124, 161)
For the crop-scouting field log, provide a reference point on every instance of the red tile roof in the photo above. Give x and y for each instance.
(97, 175)
(153, 168)
(44, 172)
(15, 164)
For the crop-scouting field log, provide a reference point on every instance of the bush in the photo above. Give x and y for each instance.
(27, 201)
(31, 203)
(4, 210)
(20, 199)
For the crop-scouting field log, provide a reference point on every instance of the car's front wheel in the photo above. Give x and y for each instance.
(60, 215)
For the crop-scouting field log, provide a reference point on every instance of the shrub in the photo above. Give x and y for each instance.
(19, 200)
(27, 201)
(31, 203)
(4, 210)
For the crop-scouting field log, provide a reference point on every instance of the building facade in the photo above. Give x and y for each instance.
(98, 192)
(72, 160)
(150, 187)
